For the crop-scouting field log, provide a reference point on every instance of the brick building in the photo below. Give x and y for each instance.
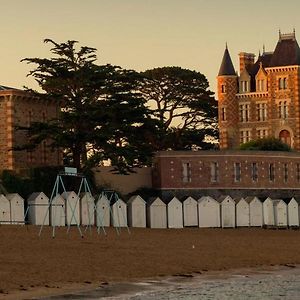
(227, 172)
(17, 108)
(263, 100)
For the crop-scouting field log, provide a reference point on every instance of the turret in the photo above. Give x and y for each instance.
(227, 104)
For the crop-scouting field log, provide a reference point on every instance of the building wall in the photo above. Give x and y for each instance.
(232, 126)
(124, 184)
(19, 109)
(170, 165)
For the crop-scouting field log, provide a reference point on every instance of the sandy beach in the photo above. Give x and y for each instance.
(36, 266)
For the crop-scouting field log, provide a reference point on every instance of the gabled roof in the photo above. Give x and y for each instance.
(287, 51)
(226, 67)
(5, 88)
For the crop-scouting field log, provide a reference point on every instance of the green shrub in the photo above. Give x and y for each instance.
(266, 144)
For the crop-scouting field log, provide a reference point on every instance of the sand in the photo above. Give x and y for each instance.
(33, 265)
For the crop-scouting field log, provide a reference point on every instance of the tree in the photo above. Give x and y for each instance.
(183, 105)
(266, 144)
(103, 116)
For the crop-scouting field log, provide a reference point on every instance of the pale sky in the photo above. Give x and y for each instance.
(142, 34)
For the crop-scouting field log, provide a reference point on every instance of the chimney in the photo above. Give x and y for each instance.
(246, 60)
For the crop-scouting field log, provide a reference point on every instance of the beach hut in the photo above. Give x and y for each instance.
(72, 208)
(293, 213)
(156, 213)
(4, 210)
(136, 209)
(190, 212)
(58, 211)
(103, 211)
(227, 211)
(209, 212)
(268, 212)
(38, 209)
(16, 204)
(119, 213)
(280, 213)
(242, 212)
(87, 208)
(256, 211)
(174, 213)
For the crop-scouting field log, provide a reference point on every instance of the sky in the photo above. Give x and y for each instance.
(142, 34)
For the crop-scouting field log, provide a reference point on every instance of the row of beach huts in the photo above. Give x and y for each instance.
(226, 212)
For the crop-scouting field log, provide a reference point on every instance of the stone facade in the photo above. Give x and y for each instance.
(263, 100)
(17, 108)
(236, 173)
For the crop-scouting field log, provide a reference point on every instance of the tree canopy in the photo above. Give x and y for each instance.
(103, 116)
(122, 116)
(184, 106)
(266, 144)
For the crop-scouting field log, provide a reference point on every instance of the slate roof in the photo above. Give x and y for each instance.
(287, 52)
(226, 67)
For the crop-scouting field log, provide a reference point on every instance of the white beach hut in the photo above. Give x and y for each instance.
(293, 213)
(38, 208)
(256, 211)
(268, 212)
(72, 208)
(119, 213)
(16, 203)
(190, 212)
(87, 209)
(242, 212)
(103, 211)
(136, 209)
(4, 210)
(227, 211)
(156, 213)
(209, 212)
(174, 213)
(280, 213)
(58, 211)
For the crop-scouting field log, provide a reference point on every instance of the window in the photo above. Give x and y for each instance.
(245, 136)
(271, 172)
(282, 83)
(237, 172)
(244, 112)
(283, 109)
(285, 172)
(298, 172)
(254, 172)
(186, 172)
(214, 172)
(261, 111)
(244, 86)
(261, 133)
(260, 85)
(223, 113)
(223, 88)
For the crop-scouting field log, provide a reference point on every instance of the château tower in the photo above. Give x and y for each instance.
(263, 100)
(227, 108)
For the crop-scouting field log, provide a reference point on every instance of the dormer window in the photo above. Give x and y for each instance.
(244, 86)
(260, 85)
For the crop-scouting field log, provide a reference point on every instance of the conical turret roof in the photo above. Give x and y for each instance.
(226, 65)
